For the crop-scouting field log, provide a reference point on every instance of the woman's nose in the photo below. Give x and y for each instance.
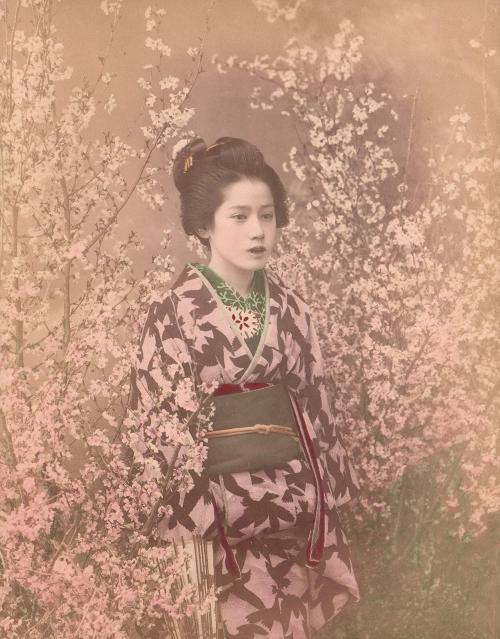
(256, 229)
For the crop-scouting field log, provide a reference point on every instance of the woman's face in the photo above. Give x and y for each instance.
(246, 219)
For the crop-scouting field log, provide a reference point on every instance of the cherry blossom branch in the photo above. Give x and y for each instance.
(149, 153)
(484, 94)
(11, 54)
(165, 484)
(8, 439)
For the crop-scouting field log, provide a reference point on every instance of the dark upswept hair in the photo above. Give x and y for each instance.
(201, 179)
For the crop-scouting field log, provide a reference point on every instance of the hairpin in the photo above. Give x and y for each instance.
(213, 145)
(188, 163)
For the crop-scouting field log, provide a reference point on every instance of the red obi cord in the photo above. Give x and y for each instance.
(316, 538)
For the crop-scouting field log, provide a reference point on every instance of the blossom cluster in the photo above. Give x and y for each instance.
(274, 10)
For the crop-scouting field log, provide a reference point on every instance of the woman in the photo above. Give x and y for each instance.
(282, 559)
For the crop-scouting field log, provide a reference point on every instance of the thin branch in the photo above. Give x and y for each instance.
(165, 484)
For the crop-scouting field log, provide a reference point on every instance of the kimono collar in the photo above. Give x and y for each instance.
(202, 301)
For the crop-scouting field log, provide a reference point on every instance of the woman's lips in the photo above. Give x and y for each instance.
(257, 250)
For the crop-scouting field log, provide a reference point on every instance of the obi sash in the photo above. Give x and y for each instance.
(236, 444)
(316, 536)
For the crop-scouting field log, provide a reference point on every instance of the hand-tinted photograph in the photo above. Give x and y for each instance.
(249, 275)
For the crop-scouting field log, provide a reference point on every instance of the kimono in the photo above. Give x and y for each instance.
(282, 559)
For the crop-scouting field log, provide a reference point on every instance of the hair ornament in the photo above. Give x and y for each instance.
(214, 145)
(188, 163)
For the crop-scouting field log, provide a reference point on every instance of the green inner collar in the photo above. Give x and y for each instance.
(247, 313)
(220, 284)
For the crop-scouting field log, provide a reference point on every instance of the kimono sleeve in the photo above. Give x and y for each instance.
(162, 353)
(307, 378)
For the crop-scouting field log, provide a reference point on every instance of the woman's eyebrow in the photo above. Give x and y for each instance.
(244, 207)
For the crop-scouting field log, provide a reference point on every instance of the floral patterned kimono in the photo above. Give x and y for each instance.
(281, 556)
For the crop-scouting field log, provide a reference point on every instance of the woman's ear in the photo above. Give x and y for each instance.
(202, 231)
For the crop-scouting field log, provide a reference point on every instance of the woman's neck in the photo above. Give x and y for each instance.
(238, 279)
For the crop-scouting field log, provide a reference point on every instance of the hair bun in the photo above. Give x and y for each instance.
(185, 158)
(236, 152)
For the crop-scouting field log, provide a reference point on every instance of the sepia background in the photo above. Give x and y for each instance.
(418, 51)
(392, 167)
